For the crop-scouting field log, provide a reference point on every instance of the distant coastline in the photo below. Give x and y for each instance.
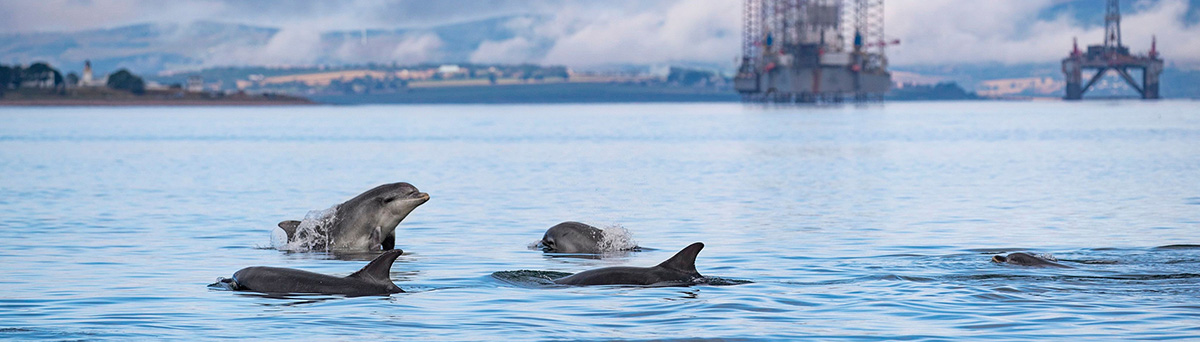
(40, 84)
(438, 93)
(146, 102)
(563, 92)
(100, 96)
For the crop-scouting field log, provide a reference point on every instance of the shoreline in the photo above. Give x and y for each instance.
(146, 102)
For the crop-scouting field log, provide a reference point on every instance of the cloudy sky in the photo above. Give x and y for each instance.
(582, 32)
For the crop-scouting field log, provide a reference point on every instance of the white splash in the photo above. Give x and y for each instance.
(616, 239)
(312, 234)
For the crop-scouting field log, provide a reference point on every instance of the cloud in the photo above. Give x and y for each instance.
(512, 51)
(623, 32)
(304, 46)
(685, 30)
(322, 15)
(1012, 32)
(72, 15)
(582, 33)
(417, 49)
(289, 46)
(1177, 40)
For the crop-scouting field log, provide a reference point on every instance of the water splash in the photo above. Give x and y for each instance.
(313, 232)
(223, 284)
(617, 239)
(719, 281)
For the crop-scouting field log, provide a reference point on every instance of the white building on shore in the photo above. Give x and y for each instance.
(88, 80)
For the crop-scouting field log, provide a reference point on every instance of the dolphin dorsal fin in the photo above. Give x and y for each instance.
(685, 260)
(379, 269)
(289, 227)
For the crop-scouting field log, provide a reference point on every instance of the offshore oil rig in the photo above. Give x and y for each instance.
(795, 51)
(1112, 56)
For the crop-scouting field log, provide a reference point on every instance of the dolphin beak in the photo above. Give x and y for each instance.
(999, 258)
(423, 196)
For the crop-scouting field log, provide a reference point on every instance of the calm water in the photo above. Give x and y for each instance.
(854, 223)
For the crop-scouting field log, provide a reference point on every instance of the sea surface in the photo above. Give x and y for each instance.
(851, 222)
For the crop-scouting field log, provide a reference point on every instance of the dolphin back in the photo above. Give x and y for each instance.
(373, 279)
(1026, 259)
(679, 269)
(685, 260)
(380, 269)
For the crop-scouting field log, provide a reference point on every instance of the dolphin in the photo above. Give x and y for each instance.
(366, 222)
(679, 269)
(373, 279)
(575, 237)
(1026, 259)
(572, 237)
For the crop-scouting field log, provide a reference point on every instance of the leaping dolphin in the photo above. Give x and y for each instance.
(680, 269)
(366, 222)
(373, 279)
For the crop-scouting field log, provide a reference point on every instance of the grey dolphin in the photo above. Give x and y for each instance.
(572, 237)
(680, 268)
(367, 221)
(1026, 259)
(373, 279)
(575, 237)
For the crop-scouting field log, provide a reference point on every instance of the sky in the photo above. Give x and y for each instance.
(582, 33)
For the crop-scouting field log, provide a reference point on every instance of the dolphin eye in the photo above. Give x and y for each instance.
(389, 199)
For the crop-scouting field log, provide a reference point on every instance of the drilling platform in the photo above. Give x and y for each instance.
(1113, 55)
(795, 51)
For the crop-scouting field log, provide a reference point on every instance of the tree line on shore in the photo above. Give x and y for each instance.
(41, 75)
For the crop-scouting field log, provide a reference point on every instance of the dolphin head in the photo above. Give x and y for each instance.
(400, 198)
(396, 201)
(384, 206)
(1000, 259)
(572, 237)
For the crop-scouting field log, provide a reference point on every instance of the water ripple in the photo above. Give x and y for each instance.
(871, 223)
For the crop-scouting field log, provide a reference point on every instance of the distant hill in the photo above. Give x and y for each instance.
(142, 48)
(153, 48)
(934, 92)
